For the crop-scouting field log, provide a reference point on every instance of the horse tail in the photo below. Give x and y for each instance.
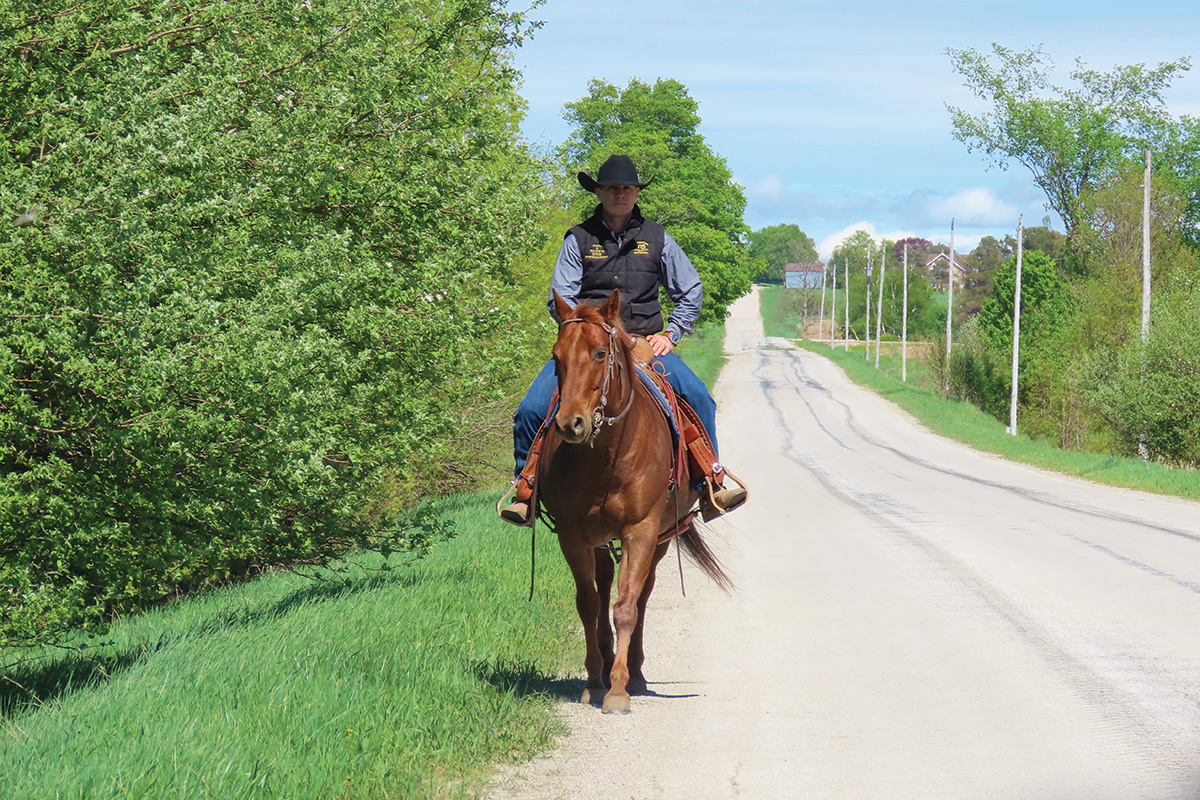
(703, 557)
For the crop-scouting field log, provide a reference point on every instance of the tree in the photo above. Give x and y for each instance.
(1150, 392)
(1041, 288)
(1046, 239)
(861, 253)
(263, 291)
(975, 284)
(693, 193)
(1070, 138)
(919, 251)
(853, 257)
(780, 245)
(991, 252)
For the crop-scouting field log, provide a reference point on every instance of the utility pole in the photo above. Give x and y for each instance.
(950, 303)
(833, 304)
(879, 306)
(1143, 448)
(821, 319)
(904, 323)
(950, 285)
(846, 295)
(867, 321)
(1012, 403)
(1146, 252)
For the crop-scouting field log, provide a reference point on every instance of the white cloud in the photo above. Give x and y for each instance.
(768, 188)
(977, 206)
(830, 243)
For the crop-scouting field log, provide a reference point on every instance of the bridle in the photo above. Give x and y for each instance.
(613, 366)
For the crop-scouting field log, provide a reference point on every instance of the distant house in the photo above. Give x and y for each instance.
(936, 269)
(803, 276)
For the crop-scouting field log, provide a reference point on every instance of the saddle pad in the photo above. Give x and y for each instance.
(658, 390)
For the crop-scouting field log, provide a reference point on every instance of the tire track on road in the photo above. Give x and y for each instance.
(1157, 748)
(1045, 498)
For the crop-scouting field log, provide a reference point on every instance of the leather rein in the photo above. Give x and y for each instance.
(613, 366)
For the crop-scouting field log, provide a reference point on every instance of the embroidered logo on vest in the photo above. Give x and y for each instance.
(642, 249)
(596, 251)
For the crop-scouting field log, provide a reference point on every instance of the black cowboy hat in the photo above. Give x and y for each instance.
(616, 171)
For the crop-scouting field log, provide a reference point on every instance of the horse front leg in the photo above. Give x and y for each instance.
(637, 656)
(605, 571)
(582, 562)
(637, 560)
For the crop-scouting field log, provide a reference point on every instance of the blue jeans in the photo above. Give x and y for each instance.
(536, 405)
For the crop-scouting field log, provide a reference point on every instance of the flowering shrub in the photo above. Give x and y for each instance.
(254, 269)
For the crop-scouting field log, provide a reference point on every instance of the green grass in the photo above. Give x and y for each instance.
(704, 351)
(777, 322)
(966, 423)
(398, 684)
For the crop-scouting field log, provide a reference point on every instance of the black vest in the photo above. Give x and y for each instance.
(634, 267)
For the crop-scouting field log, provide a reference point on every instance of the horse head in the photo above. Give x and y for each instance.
(589, 357)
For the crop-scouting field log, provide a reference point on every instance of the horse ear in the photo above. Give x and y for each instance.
(612, 306)
(561, 309)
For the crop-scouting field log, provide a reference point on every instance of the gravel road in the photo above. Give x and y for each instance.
(912, 619)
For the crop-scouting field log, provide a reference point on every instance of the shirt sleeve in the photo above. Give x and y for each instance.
(567, 276)
(682, 283)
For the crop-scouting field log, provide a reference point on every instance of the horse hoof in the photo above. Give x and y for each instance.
(616, 704)
(637, 686)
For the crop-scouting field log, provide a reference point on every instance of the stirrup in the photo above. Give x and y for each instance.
(714, 503)
(518, 512)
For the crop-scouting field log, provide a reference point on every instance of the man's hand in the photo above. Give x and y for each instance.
(660, 344)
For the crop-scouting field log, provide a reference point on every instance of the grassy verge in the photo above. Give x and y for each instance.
(397, 684)
(786, 324)
(774, 324)
(405, 683)
(704, 351)
(966, 423)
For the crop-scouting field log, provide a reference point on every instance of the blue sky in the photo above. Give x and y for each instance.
(832, 115)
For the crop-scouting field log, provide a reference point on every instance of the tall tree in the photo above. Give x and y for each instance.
(1070, 138)
(780, 245)
(693, 193)
(1042, 289)
(976, 282)
(1046, 239)
(854, 256)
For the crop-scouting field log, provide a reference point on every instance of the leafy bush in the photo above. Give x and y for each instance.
(259, 271)
(1151, 392)
(975, 372)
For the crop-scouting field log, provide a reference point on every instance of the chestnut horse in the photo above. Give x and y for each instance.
(605, 475)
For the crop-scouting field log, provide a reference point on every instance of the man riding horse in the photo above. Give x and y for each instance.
(618, 249)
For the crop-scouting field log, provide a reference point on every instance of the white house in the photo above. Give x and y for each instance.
(936, 269)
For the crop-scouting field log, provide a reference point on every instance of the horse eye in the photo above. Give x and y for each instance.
(600, 354)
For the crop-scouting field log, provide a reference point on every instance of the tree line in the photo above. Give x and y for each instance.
(860, 256)
(270, 273)
(1087, 378)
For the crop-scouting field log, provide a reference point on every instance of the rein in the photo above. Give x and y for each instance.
(613, 366)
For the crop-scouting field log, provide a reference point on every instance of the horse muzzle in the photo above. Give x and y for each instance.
(573, 428)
